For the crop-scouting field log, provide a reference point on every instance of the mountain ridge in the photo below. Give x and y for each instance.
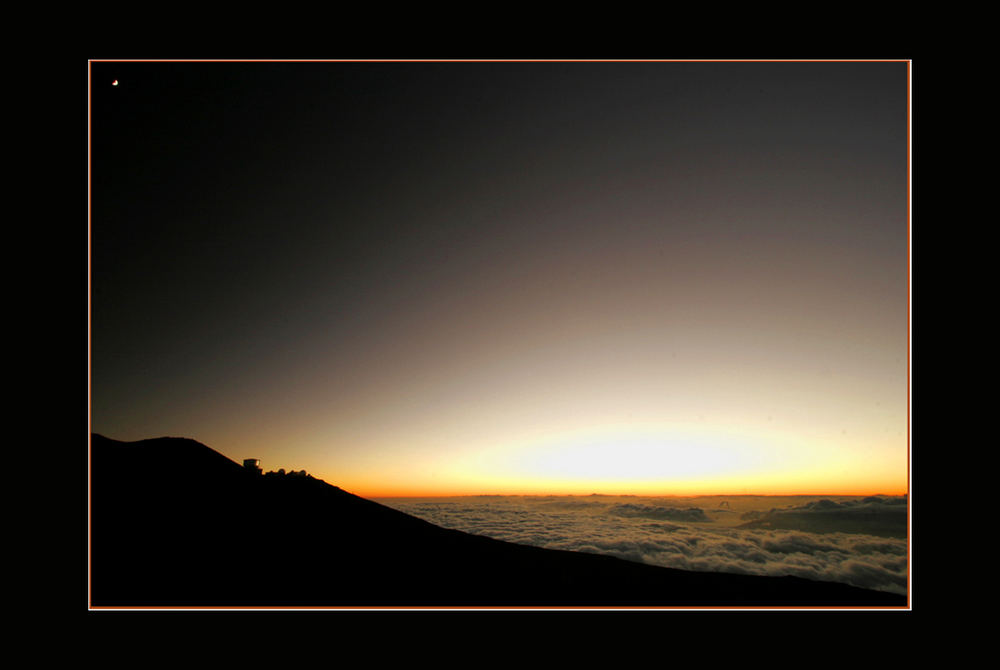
(176, 524)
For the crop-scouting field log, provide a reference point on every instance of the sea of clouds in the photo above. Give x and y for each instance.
(855, 540)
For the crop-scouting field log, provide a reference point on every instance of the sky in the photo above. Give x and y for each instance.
(657, 278)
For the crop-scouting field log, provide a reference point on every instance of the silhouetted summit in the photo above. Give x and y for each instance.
(174, 523)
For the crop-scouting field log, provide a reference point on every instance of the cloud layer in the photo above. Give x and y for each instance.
(874, 515)
(741, 536)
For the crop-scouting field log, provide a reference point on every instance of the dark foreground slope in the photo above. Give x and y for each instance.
(174, 523)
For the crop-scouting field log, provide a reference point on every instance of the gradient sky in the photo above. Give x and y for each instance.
(450, 278)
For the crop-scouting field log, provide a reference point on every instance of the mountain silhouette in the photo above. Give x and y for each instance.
(175, 524)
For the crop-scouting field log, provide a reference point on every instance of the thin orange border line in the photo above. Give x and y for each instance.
(498, 60)
(90, 346)
(909, 327)
(508, 608)
(92, 607)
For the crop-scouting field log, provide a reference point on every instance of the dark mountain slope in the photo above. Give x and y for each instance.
(174, 523)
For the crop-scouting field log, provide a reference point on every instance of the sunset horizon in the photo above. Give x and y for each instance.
(374, 485)
(488, 278)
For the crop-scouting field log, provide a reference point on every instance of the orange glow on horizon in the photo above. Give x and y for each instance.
(375, 487)
(791, 490)
(639, 459)
(654, 460)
